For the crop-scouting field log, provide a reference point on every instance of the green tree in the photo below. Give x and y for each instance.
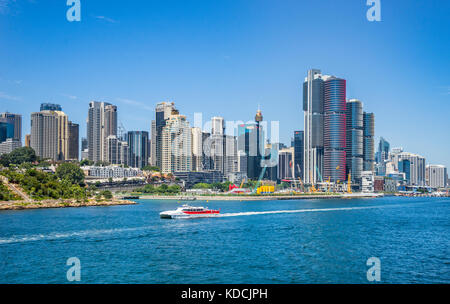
(151, 168)
(18, 156)
(107, 194)
(174, 189)
(70, 172)
(202, 186)
(86, 162)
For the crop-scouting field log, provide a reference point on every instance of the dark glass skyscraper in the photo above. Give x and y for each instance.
(313, 107)
(368, 143)
(248, 143)
(16, 121)
(354, 141)
(383, 150)
(138, 147)
(404, 166)
(6, 131)
(299, 146)
(73, 141)
(334, 129)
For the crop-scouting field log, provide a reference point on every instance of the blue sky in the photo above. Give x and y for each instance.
(224, 58)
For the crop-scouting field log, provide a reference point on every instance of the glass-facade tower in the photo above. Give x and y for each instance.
(334, 129)
(354, 141)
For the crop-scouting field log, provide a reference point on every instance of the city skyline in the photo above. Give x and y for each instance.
(388, 78)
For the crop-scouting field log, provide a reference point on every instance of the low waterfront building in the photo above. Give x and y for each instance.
(192, 178)
(390, 185)
(367, 181)
(110, 172)
(378, 184)
(236, 177)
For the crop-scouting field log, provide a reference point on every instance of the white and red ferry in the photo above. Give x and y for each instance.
(187, 211)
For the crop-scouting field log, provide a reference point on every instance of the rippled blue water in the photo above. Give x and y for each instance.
(329, 241)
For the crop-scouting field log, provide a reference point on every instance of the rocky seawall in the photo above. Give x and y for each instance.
(23, 205)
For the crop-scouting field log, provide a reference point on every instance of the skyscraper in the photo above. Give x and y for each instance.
(404, 166)
(231, 155)
(163, 111)
(298, 145)
(368, 143)
(313, 107)
(153, 143)
(383, 150)
(217, 143)
(286, 163)
(112, 150)
(176, 144)
(334, 129)
(354, 141)
(138, 147)
(16, 121)
(101, 123)
(436, 176)
(260, 147)
(250, 144)
(6, 131)
(28, 140)
(416, 166)
(73, 151)
(197, 147)
(50, 134)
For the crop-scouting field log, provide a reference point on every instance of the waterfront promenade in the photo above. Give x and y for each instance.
(257, 197)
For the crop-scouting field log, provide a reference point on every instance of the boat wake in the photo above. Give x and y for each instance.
(300, 211)
(59, 235)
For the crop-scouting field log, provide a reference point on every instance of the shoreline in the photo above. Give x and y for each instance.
(53, 204)
(255, 198)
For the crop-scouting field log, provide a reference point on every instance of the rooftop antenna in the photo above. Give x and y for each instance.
(121, 131)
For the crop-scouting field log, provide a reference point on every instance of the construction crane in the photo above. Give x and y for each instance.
(263, 171)
(312, 189)
(242, 184)
(301, 182)
(349, 183)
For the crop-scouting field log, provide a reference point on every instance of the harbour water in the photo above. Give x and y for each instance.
(304, 241)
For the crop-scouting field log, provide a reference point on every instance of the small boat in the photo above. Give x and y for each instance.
(131, 197)
(187, 198)
(187, 211)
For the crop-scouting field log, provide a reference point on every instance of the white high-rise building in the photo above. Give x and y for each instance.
(197, 149)
(436, 176)
(217, 126)
(162, 113)
(101, 123)
(231, 156)
(9, 145)
(417, 166)
(176, 145)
